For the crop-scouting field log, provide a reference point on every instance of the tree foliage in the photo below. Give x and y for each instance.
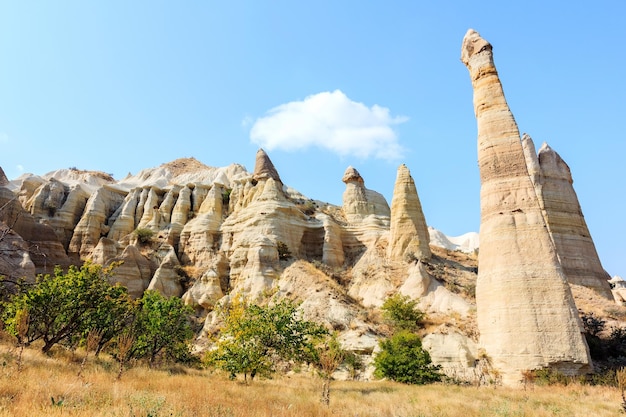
(255, 338)
(401, 313)
(66, 305)
(403, 359)
(161, 326)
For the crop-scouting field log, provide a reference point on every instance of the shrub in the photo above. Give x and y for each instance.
(403, 359)
(144, 235)
(283, 251)
(402, 313)
(226, 196)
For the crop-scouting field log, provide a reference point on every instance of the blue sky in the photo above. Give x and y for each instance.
(119, 86)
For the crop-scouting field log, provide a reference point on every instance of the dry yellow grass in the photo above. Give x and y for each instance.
(51, 387)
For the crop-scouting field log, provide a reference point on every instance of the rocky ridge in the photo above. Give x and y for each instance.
(219, 232)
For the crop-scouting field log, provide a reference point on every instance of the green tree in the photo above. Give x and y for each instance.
(401, 313)
(64, 305)
(403, 359)
(161, 325)
(255, 338)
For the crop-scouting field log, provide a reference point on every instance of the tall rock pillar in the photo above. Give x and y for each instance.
(526, 313)
(408, 235)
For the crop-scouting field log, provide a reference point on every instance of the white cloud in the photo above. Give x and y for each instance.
(20, 168)
(332, 121)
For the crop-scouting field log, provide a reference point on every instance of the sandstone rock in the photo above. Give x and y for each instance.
(151, 215)
(618, 289)
(264, 168)
(200, 236)
(205, 292)
(332, 249)
(409, 233)
(165, 279)
(28, 185)
(135, 271)
(15, 262)
(454, 352)
(105, 251)
(358, 201)
(44, 249)
(553, 181)
(526, 314)
(94, 222)
(3, 178)
(124, 217)
(432, 295)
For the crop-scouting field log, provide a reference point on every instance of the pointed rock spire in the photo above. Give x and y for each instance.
(264, 168)
(577, 252)
(522, 296)
(3, 178)
(409, 235)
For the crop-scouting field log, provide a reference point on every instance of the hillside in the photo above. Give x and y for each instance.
(206, 234)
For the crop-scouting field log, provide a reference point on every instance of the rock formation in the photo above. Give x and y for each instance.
(358, 201)
(525, 310)
(264, 168)
(408, 235)
(553, 182)
(36, 243)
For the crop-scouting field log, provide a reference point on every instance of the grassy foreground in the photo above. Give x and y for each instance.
(51, 387)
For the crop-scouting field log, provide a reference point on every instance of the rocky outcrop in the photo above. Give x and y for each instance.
(264, 168)
(134, 271)
(15, 262)
(526, 314)
(166, 278)
(3, 178)
(408, 236)
(553, 182)
(358, 201)
(39, 240)
(94, 222)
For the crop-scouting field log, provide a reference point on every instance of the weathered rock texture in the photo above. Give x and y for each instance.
(30, 243)
(358, 201)
(264, 168)
(553, 182)
(408, 237)
(526, 313)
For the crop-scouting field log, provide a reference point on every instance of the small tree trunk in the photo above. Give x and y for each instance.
(326, 392)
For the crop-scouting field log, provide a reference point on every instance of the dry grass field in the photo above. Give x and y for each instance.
(48, 386)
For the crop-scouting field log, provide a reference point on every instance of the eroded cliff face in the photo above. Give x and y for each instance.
(526, 313)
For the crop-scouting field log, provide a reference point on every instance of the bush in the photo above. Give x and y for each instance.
(401, 313)
(144, 235)
(283, 251)
(403, 359)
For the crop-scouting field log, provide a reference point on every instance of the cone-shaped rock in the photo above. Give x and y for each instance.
(408, 233)
(526, 313)
(3, 178)
(566, 223)
(264, 168)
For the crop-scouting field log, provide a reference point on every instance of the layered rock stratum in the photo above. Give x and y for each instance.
(526, 314)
